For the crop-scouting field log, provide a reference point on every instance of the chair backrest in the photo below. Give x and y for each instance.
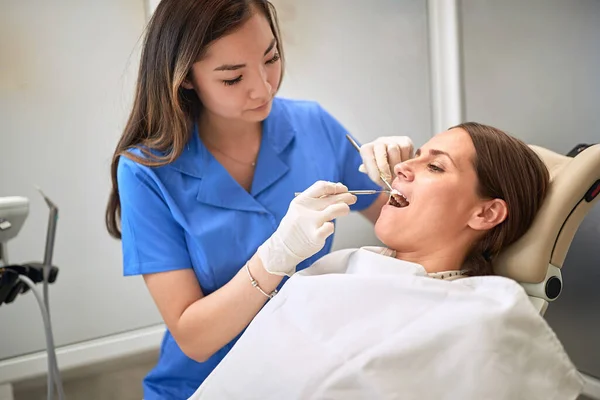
(536, 259)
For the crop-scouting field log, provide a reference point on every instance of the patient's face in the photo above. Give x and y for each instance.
(440, 184)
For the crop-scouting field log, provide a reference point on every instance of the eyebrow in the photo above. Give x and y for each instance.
(234, 67)
(435, 152)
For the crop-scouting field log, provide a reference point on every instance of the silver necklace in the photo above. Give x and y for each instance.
(247, 164)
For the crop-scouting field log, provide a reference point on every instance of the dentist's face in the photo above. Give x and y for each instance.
(239, 75)
(440, 184)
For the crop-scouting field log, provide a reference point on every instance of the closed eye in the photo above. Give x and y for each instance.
(274, 59)
(434, 168)
(230, 82)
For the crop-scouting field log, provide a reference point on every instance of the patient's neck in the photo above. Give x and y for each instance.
(438, 260)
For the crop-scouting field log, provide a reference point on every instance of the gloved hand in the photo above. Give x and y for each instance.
(305, 227)
(383, 154)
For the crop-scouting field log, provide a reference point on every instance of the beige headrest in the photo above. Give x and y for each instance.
(549, 238)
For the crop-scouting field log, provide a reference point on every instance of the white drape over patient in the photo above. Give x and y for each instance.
(361, 325)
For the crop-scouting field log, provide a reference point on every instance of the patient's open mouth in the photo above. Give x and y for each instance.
(397, 199)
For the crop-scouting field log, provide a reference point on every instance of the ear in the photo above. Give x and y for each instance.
(187, 84)
(488, 215)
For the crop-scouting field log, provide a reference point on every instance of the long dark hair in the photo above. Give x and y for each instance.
(163, 111)
(510, 170)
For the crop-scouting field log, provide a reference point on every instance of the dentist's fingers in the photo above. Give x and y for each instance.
(326, 201)
(369, 165)
(407, 148)
(334, 211)
(347, 198)
(381, 157)
(324, 188)
(394, 156)
(325, 231)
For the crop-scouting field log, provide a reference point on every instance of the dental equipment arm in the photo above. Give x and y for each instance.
(18, 279)
(53, 371)
(47, 268)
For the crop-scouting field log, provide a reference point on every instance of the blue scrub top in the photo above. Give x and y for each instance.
(193, 214)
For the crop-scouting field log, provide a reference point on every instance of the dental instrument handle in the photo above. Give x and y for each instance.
(353, 142)
(357, 147)
(357, 192)
(391, 189)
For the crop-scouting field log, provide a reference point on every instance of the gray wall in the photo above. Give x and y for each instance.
(66, 74)
(532, 68)
(366, 63)
(66, 83)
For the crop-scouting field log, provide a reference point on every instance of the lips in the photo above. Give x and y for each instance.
(261, 106)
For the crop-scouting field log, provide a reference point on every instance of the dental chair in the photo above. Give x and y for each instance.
(536, 260)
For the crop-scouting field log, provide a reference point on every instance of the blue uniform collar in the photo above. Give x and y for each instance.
(278, 132)
(217, 187)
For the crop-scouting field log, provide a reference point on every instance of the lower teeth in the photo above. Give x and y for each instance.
(398, 201)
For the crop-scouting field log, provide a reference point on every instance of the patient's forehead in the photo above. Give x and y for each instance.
(456, 142)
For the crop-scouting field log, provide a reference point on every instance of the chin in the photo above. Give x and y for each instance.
(389, 226)
(384, 231)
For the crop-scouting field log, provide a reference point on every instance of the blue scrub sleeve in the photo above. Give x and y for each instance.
(152, 240)
(348, 160)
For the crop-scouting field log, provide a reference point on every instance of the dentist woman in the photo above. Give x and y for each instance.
(204, 177)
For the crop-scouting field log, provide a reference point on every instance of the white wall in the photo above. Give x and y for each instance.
(150, 6)
(66, 79)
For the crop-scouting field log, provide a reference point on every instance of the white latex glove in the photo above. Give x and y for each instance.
(383, 154)
(305, 227)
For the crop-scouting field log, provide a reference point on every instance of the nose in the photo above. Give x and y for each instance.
(260, 88)
(404, 172)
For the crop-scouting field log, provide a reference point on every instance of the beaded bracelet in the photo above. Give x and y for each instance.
(255, 284)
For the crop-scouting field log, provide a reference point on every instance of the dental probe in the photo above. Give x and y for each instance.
(357, 192)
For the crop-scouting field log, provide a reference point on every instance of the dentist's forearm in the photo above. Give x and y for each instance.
(214, 320)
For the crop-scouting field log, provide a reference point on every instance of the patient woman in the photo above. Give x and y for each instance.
(396, 322)
(472, 191)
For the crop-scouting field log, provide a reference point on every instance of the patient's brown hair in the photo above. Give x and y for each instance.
(510, 170)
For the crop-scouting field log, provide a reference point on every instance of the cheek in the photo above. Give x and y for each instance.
(448, 205)
(274, 76)
(220, 99)
(443, 195)
(448, 208)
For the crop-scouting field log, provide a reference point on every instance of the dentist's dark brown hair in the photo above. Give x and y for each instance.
(163, 111)
(510, 170)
